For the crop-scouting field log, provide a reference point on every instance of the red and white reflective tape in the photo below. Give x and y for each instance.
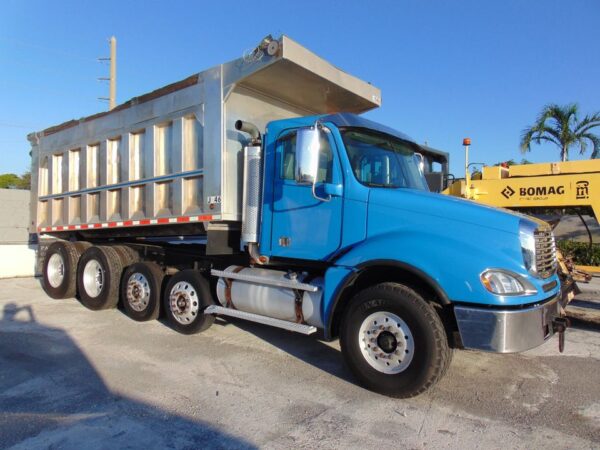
(130, 223)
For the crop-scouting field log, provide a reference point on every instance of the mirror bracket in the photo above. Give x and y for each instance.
(323, 199)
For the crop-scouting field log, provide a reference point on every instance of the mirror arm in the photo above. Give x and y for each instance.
(328, 199)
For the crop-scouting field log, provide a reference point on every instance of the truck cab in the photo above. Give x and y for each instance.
(347, 196)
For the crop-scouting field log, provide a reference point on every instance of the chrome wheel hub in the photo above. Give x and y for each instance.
(183, 302)
(55, 272)
(93, 278)
(138, 292)
(386, 342)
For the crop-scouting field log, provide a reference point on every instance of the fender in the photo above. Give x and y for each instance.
(349, 279)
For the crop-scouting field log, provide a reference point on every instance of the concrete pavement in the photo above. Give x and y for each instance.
(73, 378)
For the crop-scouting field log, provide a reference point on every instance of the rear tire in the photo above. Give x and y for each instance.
(98, 278)
(186, 296)
(393, 341)
(60, 270)
(141, 290)
(81, 246)
(127, 254)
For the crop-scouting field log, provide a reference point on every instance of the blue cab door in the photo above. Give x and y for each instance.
(304, 227)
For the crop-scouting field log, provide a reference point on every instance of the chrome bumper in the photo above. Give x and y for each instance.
(506, 331)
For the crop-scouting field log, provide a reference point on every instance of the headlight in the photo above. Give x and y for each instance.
(503, 282)
(526, 236)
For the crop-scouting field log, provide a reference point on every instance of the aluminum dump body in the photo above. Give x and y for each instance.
(173, 156)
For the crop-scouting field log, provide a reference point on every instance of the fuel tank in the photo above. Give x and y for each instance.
(268, 299)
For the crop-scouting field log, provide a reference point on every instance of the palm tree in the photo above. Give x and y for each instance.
(561, 126)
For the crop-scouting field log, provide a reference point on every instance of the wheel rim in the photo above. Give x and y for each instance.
(138, 292)
(183, 303)
(55, 270)
(93, 278)
(386, 342)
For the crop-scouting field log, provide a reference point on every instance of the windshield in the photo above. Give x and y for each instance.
(380, 160)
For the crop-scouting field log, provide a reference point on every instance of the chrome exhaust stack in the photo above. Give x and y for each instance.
(249, 128)
(252, 191)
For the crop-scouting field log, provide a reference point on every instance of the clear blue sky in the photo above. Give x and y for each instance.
(447, 69)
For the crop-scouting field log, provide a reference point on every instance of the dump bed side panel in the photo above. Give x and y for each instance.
(140, 166)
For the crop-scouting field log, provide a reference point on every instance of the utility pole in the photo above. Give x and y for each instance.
(112, 79)
(467, 144)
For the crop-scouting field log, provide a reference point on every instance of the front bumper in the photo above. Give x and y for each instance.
(506, 330)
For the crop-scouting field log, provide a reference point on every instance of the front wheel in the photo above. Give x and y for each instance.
(393, 341)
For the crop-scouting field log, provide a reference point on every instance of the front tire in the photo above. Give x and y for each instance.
(393, 341)
(186, 296)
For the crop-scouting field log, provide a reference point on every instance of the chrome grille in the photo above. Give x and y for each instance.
(545, 253)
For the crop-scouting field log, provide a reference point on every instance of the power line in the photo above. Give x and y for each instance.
(46, 49)
(15, 125)
(28, 63)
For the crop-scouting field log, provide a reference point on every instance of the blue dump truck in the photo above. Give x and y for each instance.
(256, 190)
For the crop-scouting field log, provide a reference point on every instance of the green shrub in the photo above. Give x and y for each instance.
(581, 252)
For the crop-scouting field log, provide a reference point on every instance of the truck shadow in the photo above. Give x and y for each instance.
(51, 396)
(306, 348)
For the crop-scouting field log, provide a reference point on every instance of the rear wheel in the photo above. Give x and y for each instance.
(140, 290)
(60, 269)
(98, 277)
(393, 341)
(186, 296)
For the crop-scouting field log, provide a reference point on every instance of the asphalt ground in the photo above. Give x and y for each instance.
(73, 378)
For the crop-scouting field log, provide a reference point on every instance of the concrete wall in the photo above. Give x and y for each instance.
(17, 253)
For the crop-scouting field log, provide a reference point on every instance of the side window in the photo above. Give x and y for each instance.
(288, 159)
(288, 156)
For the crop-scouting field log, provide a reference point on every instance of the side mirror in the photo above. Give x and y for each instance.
(308, 146)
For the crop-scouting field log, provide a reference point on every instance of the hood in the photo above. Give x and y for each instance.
(447, 208)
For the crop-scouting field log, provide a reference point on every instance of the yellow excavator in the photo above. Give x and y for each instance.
(527, 188)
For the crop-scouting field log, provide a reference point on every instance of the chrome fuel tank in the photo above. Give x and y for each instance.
(267, 295)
